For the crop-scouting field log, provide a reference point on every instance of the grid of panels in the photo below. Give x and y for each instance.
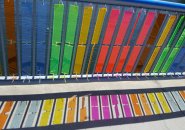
(54, 38)
(89, 108)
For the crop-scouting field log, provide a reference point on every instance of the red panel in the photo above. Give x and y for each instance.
(132, 32)
(112, 60)
(101, 59)
(122, 59)
(111, 26)
(146, 26)
(132, 59)
(123, 27)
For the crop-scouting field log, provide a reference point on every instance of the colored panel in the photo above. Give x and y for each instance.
(113, 18)
(126, 106)
(152, 59)
(132, 58)
(163, 102)
(145, 104)
(66, 64)
(85, 24)
(99, 24)
(83, 113)
(175, 31)
(151, 41)
(101, 59)
(171, 102)
(166, 30)
(56, 38)
(122, 58)
(71, 110)
(135, 104)
(170, 60)
(116, 106)
(154, 103)
(95, 112)
(32, 114)
(26, 9)
(11, 36)
(106, 111)
(161, 59)
(79, 59)
(5, 112)
(182, 93)
(123, 27)
(112, 59)
(180, 42)
(45, 115)
(18, 114)
(146, 26)
(58, 115)
(71, 25)
(42, 13)
(179, 100)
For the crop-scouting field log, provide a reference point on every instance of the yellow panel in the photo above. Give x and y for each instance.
(166, 30)
(90, 59)
(152, 58)
(79, 59)
(46, 112)
(59, 111)
(85, 24)
(98, 26)
(163, 102)
(154, 103)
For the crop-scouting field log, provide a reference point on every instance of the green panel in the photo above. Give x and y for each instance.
(161, 59)
(71, 25)
(181, 40)
(56, 38)
(68, 50)
(170, 60)
(175, 31)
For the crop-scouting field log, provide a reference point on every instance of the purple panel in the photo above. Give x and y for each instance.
(124, 99)
(114, 99)
(106, 112)
(95, 113)
(104, 100)
(94, 101)
(126, 108)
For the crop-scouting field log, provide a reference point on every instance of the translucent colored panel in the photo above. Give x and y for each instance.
(176, 31)
(124, 26)
(170, 60)
(178, 60)
(166, 30)
(155, 29)
(26, 9)
(142, 60)
(56, 38)
(101, 59)
(71, 110)
(163, 102)
(180, 42)
(135, 104)
(85, 24)
(11, 36)
(121, 60)
(112, 59)
(152, 59)
(71, 25)
(146, 26)
(161, 59)
(79, 59)
(99, 24)
(46, 112)
(66, 64)
(83, 111)
(132, 58)
(5, 112)
(154, 103)
(127, 110)
(42, 24)
(113, 18)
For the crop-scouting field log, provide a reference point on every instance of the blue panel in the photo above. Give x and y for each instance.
(175, 66)
(42, 25)
(26, 35)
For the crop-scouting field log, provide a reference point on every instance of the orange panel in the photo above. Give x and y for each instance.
(136, 105)
(71, 109)
(145, 104)
(5, 113)
(182, 93)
